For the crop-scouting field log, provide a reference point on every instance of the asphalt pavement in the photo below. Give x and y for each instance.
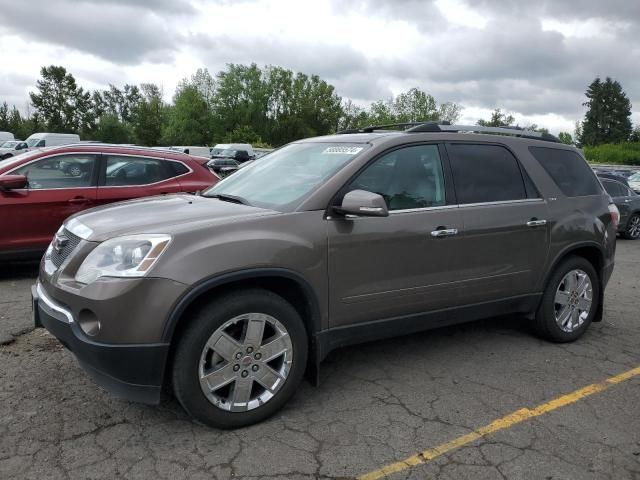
(378, 404)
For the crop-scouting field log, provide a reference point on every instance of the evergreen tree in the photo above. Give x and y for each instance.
(608, 117)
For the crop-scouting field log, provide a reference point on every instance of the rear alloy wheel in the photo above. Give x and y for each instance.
(241, 358)
(632, 230)
(570, 301)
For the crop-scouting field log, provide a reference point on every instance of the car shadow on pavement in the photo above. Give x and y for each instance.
(19, 270)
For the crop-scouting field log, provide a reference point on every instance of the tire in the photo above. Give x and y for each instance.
(208, 347)
(632, 229)
(551, 320)
(75, 171)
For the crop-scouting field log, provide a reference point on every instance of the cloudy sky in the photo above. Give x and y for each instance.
(531, 58)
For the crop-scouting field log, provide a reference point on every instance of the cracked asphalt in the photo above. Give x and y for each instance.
(378, 403)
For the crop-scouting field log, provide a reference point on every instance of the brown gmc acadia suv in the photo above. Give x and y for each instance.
(231, 295)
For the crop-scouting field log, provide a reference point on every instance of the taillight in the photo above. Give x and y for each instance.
(615, 214)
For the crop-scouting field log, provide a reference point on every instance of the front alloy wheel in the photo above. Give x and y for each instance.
(245, 362)
(240, 358)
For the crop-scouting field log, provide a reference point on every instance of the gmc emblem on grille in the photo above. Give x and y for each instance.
(59, 242)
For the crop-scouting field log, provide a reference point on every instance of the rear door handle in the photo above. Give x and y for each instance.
(536, 223)
(79, 200)
(444, 232)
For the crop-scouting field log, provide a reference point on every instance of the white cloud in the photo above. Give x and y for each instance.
(534, 59)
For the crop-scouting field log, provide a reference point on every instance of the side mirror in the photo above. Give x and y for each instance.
(12, 182)
(363, 204)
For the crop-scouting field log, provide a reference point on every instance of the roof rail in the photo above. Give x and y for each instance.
(445, 126)
(508, 130)
(373, 128)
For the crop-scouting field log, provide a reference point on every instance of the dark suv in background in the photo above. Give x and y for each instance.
(231, 295)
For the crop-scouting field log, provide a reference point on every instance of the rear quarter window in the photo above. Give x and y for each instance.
(568, 170)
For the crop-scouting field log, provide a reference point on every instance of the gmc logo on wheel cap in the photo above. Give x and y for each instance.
(59, 242)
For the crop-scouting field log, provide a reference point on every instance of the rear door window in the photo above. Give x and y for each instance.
(125, 171)
(485, 173)
(568, 170)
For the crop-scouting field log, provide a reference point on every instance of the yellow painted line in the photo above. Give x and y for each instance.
(505, 422)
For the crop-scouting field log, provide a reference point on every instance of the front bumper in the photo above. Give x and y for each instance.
(129, 371)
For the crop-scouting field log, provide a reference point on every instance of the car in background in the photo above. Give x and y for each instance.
(4, 136)
(218, 150)
(261, 152)
(628, 203)
(612, 176)
(10, 148)
(223, 166)
(634, 182)
(193, 150)
(39, 189)
(44, 139)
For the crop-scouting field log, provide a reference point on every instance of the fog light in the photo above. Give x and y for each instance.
(88, 322)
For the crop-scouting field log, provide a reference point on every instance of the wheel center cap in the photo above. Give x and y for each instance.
(246, 361)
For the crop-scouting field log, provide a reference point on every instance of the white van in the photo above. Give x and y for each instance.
(6, 136)
(217, 150)
(38, 140)
(193, 150)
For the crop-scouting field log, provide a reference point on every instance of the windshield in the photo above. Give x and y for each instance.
(635, 177)
(9, 144)
(227, 153)
(32, 142)
(288, 174)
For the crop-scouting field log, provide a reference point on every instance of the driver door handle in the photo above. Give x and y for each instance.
(444, 232)
(79, 200)
(536, 223)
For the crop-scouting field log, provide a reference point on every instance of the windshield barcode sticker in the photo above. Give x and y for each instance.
(342, 150)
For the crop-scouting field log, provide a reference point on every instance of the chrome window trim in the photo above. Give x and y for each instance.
(460, 205)
(423, 209)
(48, 302)
(98, 186)
(502, 202)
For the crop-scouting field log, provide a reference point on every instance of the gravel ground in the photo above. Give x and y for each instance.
(378, 403)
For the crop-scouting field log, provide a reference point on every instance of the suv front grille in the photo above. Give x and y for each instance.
(69, 243)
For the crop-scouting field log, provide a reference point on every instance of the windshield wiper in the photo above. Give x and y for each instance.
(228, 198)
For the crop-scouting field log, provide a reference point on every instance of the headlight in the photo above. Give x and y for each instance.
(130, 256)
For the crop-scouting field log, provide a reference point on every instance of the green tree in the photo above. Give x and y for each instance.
(4, 117)
(189, 120)
(111, 129)
(566, 138)
(148, 116)
(61, 104)
(608, 117)
(353, 116)
(243, 134)
(498, 119)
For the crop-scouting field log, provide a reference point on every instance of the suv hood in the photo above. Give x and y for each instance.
(162, 214)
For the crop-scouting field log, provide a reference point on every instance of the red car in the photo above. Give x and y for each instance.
(39, 189)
